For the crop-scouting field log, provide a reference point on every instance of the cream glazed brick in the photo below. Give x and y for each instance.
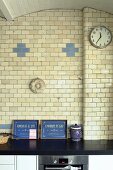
(45, 35)
(99, 78)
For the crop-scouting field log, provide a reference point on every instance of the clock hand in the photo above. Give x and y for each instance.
(100, 35)
(99, 38)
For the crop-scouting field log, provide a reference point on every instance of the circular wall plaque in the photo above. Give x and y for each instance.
(37, 85)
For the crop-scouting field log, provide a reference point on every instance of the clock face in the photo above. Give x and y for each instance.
(100, 37)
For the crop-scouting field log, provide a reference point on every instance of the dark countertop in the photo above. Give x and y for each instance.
(57, 147)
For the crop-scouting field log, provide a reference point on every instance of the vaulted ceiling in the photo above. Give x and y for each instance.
(11, 9)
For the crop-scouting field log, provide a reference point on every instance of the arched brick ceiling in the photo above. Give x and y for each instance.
(14, 8)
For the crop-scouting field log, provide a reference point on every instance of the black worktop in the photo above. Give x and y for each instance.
(57, 147)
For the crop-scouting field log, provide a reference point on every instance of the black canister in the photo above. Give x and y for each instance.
(76, 132)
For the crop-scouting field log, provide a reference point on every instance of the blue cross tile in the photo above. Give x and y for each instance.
(5, 126)
(70, 49)
(21, 50)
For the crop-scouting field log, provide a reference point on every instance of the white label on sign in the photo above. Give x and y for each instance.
(32, 134)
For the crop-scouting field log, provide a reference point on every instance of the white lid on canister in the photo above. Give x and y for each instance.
(76, 127)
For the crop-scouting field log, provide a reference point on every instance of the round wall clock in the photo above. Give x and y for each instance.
(100, 37)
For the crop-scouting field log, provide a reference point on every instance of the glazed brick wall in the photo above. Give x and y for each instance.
(78, 88)
(45, 33)
(98, 79)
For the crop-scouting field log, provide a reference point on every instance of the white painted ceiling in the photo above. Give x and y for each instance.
(1, 14)
(14, 8)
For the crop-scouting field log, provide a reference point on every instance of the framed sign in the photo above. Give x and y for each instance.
(53, 129)
(25, 129)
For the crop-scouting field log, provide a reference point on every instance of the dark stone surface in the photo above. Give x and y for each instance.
(57, 147)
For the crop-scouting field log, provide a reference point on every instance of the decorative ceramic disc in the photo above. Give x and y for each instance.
(37, 85)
